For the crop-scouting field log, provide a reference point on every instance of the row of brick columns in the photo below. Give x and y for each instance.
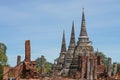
(91, 68)
(109, 68)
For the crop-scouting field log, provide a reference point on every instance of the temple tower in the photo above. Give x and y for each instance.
(69, 54)
(83, 37)
(63, 51)
(83, 48)
(72, 43)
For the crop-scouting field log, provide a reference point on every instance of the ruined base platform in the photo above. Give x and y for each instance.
(29, 79)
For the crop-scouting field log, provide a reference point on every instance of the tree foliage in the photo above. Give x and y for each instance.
(3, 48)
(47, 65)
(3, 58)
(104, 57)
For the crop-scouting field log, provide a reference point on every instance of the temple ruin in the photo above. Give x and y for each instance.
(80, 61)
(23, 70)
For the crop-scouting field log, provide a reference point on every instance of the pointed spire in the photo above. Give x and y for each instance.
(83, 37)
(83, 25)
(72, 38)
(63, 46)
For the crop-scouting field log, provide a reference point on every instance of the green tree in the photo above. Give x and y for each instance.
(104, 57)
(47, 65)
(3, 59)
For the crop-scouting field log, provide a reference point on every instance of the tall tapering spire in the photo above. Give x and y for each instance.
(83, 33)
(63, 46)
(72, 43)
(83, 25)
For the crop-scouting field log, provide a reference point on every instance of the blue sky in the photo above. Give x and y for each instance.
(43, 22)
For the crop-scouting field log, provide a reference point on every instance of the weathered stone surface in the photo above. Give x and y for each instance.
(29, 70)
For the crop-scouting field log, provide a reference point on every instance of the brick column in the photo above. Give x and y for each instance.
(27, 51)
(99, 60)
(95, 68)
(88, 69)
(18, 60)
(82, 68)
(43, 60)
(114, 68)
(109, 67)
(91, 69)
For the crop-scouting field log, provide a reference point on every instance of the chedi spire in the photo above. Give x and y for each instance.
(63, 46)
(83, 33)
(72, 43)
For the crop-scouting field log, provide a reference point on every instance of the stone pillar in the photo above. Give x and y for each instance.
(79, 62)
(114, 68)
(18, 60)
(82, 68)
(27, 51)
(99, 60)
(91, 69)
(109, 67)
(88, 69)
(95, 69)
(43, 60)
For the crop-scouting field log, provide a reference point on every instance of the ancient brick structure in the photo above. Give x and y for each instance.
(29, 67)
(23, 70)
(13, 72)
